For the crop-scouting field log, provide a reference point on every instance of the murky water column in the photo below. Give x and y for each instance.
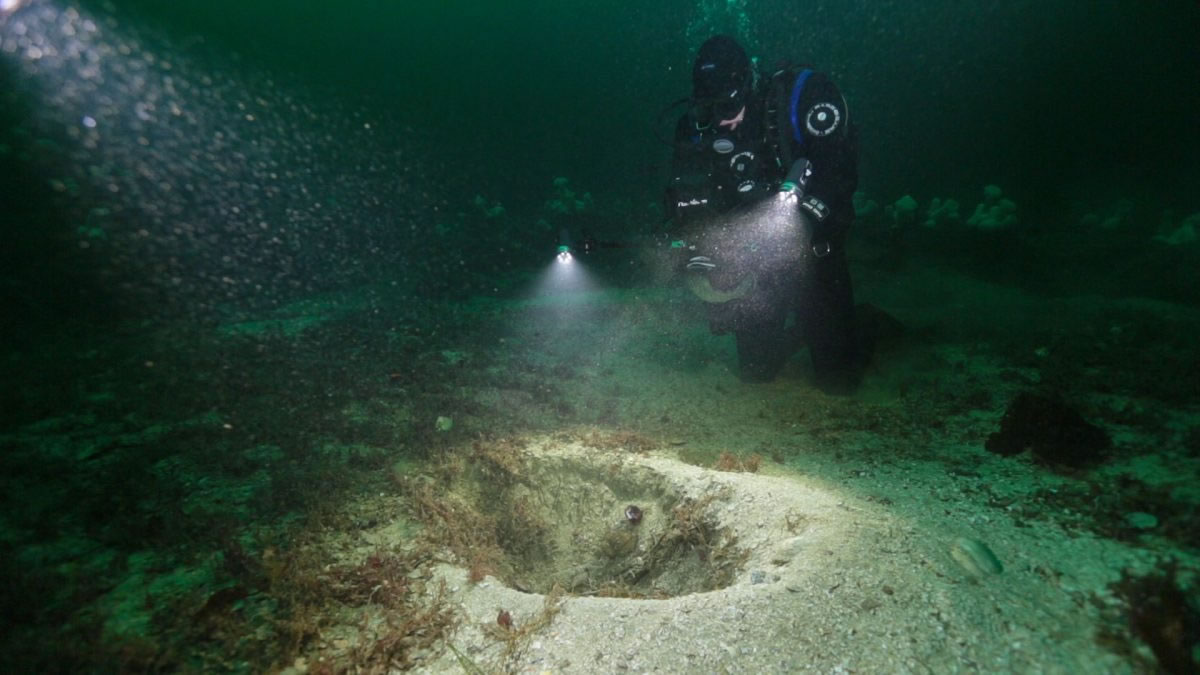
(728, 17)
(189, 181)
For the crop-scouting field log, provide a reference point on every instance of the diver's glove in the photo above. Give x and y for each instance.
(814, 207)
(794, 187)
(795, 184)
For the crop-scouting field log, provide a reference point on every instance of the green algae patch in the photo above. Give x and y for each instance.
(130, 607)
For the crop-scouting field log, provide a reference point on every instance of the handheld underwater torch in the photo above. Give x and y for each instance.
(567, 251)
(796, 179)
(564, 250)
(808, 211)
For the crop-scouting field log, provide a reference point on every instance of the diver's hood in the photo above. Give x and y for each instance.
(701, 286)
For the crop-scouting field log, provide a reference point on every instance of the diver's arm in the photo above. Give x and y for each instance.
(830, 144)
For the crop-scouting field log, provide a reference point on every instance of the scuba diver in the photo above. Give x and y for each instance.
(760, 196)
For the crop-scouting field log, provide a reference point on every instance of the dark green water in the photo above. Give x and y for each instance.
(1021, 93)
(1068, 106)
(173, 172)
(1028, 94)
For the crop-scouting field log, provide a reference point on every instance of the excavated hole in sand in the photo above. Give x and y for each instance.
(561, 521)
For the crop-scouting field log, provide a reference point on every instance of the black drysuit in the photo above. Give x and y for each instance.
(718, 177)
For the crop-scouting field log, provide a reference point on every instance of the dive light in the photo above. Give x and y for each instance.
(567, 250)
(564, 246)
(797, 178)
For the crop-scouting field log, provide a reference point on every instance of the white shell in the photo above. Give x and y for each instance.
(975, 557)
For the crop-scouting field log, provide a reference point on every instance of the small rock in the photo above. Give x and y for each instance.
(787, 551)
(1055, 432)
